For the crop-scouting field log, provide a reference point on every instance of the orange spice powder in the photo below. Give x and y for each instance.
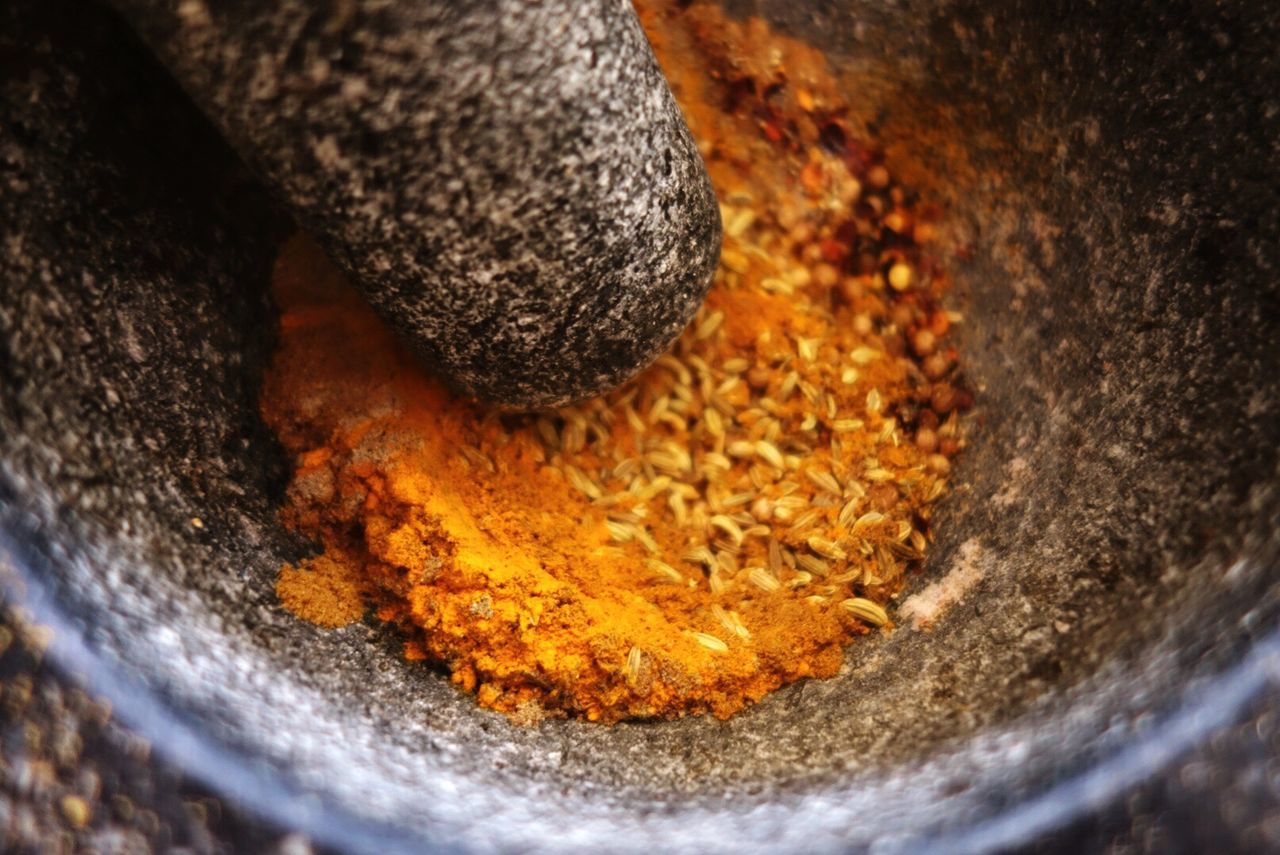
(719, 527)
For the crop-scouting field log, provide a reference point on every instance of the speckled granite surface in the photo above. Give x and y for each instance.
(1125, 332)
(72, 779)
(511, 183)
(1222, 797)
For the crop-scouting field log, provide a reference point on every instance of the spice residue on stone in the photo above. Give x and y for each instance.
(719, 527)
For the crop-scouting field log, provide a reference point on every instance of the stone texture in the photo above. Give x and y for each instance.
(61, 748)
(511, 183)
(56, 740)
(1114, 176)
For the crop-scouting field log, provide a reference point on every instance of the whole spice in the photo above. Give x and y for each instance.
(717, 528)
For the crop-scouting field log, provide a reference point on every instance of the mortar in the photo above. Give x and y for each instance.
(1114, 175)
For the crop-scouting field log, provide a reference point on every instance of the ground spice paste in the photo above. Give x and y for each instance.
(719, 527)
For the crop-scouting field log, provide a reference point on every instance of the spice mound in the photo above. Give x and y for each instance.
(722, 525)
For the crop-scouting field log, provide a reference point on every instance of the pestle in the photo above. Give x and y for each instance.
(511, 184)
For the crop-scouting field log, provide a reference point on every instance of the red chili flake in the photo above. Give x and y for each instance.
(859, 158)
(847, 232)
(771, 131)
(833, 251)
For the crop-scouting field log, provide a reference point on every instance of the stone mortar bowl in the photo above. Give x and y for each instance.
(1113, 170)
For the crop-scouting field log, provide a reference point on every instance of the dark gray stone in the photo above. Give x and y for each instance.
(1115, 175)
(510, 183)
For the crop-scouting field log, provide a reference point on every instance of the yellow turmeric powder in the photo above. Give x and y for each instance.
(718, 527)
